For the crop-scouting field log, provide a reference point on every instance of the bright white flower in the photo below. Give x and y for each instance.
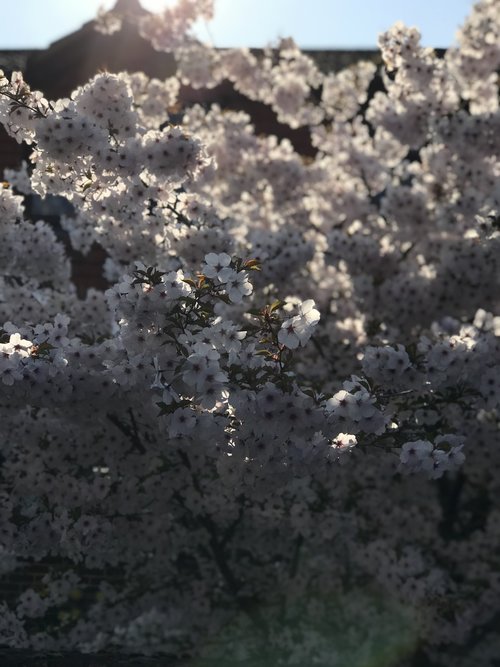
(288, 335)
(225, 333)
(298, 330)
(308, 312)
(176, 287)
(17, 345)
(215, 263)
(236, 283)
(343, 442)
(339, 402)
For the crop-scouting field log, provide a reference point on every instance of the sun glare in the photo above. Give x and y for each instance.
(156, 5)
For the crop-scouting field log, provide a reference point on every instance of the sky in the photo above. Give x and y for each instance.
(341, 24)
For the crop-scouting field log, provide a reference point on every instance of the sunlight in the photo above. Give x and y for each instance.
(157, 5)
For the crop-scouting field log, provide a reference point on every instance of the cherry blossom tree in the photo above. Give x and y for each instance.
(273, 439)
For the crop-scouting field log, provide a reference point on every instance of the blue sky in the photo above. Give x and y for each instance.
(312, 23)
